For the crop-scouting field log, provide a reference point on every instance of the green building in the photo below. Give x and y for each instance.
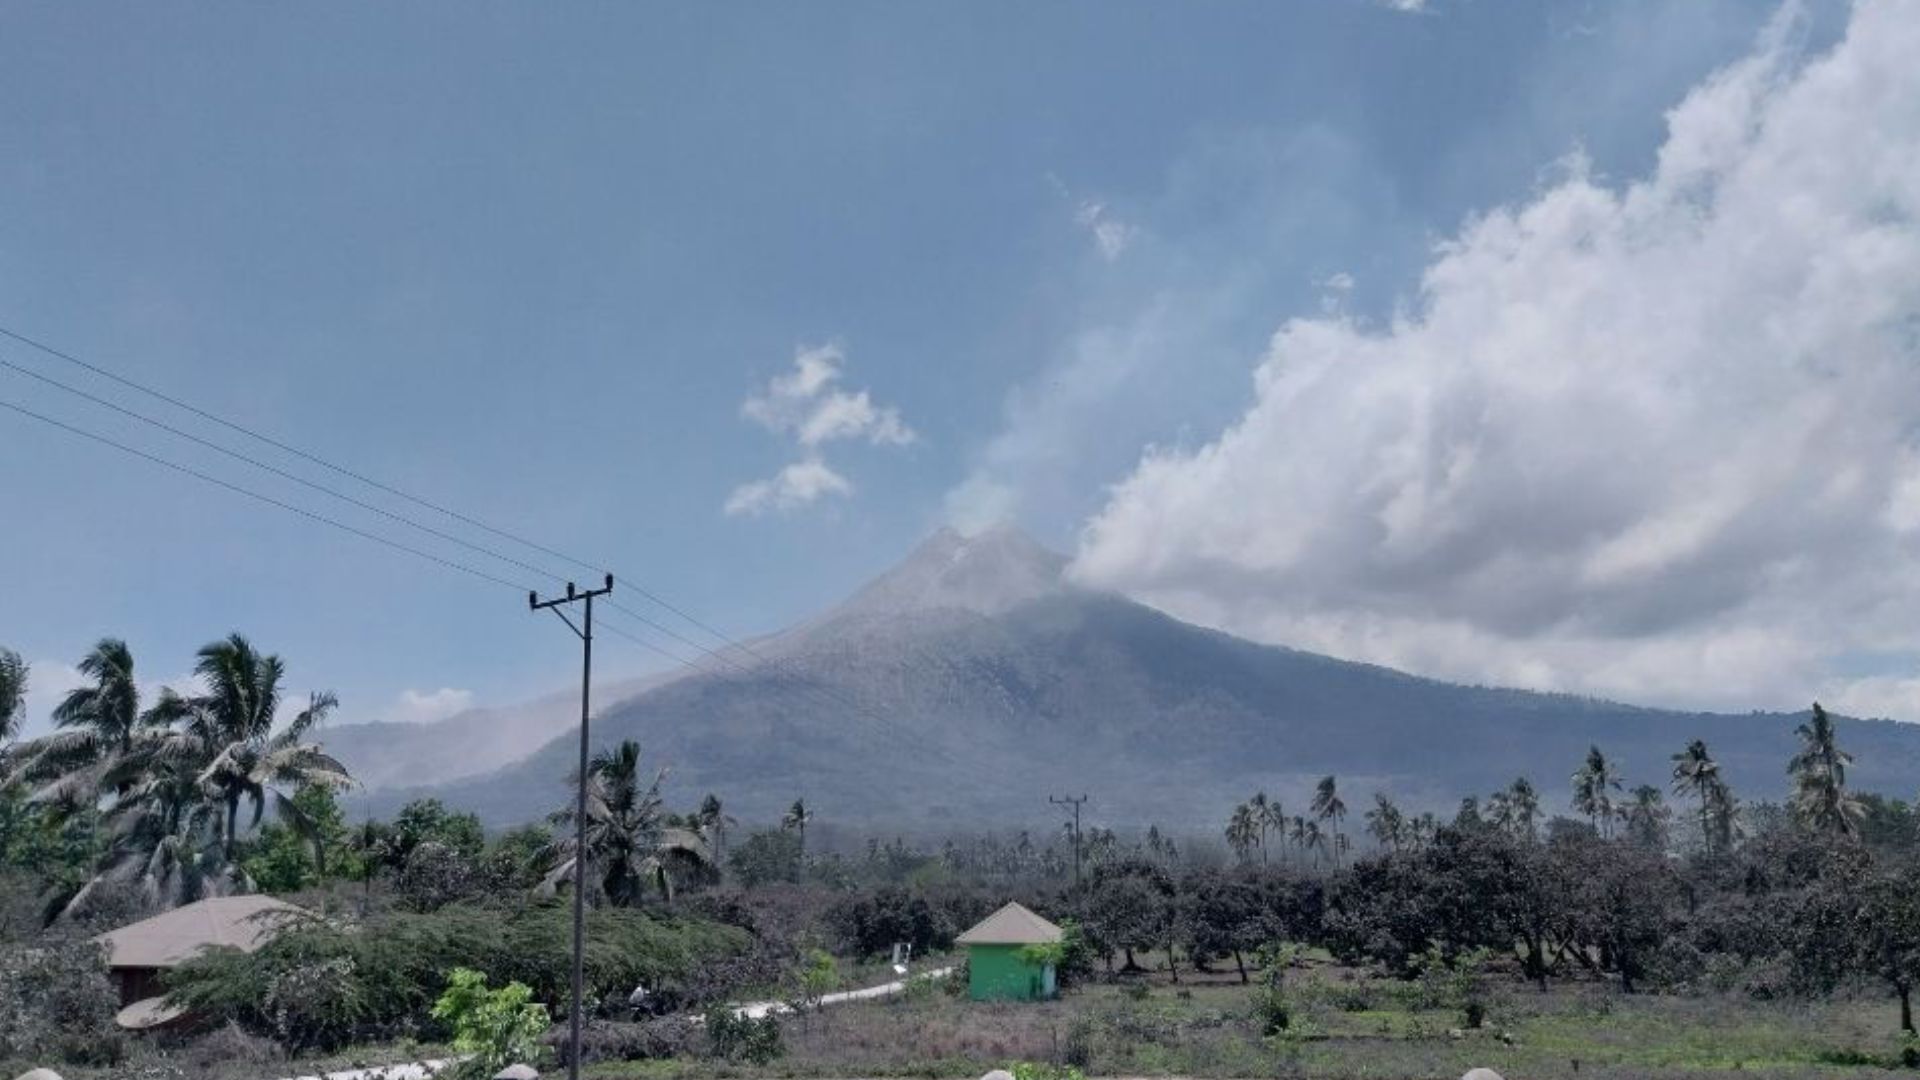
(996, 969)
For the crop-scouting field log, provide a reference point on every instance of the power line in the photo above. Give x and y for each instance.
(821, 692)
(268, 499)
(276, 471)
(396, 492)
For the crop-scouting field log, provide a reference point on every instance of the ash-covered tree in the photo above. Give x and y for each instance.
(13, 695)
(1821, 801)
(1594, 786)
(1129, 907)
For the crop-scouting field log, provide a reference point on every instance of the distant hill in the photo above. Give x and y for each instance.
(969, 682)
(468, 743)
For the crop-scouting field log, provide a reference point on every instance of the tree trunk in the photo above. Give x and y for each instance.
(1906, 1008)
(1129, 965)
(1241, 963)
(1171, 969)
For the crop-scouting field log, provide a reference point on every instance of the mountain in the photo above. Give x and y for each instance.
(468, 743)
(968, 683)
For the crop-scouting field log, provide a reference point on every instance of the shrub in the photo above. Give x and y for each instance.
(1031, 1070)
(318, 1004)
(494, 1028)
(601, 1040)
(55, 999)
(392, 964)
(733, 1037)
(1077, 1049)
(225, 1047)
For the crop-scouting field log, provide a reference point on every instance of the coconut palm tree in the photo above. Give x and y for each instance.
(1646, 818)
(630, 849)
(1264, 813)
(1315, 841)
(1327, 804)
(98, 724)
(1243, 832)
(1696, 773)
(714, 821)
(1819, 770)
(230, 729)
(1524, 807)
(1593, 786)
(1385, 823)
(796, 818)
(13, 693)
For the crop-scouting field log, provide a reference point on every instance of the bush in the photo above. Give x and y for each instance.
(56, 1000)
(318, 1004)
(228, 1046)
(1077, 1049)
(733, 1037)
(494, 1028)
(387, 970)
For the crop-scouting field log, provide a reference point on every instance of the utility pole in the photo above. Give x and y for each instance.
(585, 633)
(1064, 800)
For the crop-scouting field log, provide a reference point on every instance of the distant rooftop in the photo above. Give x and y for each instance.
(1012, 925)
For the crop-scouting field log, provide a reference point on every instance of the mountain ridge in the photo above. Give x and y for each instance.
(967, 682)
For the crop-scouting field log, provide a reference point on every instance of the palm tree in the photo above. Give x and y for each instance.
(1593, 785)
(97, 723)
(1385, 823)
(1819, 771)
(1646, 818)
(629, 848)
(1315, 841)
(229, 728)
(1243, 830)
(714, 821)
(796, 819)
(1524, 805)
(13, 693)
(1696, 773)
(1263, 815)
(1298, 834)
(1327, 804)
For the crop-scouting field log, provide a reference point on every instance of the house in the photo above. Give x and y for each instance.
(139, 955)
(1000, 963)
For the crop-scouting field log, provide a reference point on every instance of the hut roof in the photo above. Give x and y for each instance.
(1012, 925)
(173, 937)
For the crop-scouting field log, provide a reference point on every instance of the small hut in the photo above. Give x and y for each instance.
(138, 955)
(1000, 965)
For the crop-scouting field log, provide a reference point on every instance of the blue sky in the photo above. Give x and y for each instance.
(534, 264)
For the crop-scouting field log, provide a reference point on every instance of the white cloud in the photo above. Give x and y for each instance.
(795, 486)
(425, 706)
(1654, 441)
(805, 403)
(1111, 236)
(807, 406)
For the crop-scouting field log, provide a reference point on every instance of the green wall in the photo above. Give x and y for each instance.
(996, 973)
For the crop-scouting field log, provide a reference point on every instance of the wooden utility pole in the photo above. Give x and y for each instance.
(1066, 800)
(585, 633)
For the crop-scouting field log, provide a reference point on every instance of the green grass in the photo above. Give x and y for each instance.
(1344, 1027)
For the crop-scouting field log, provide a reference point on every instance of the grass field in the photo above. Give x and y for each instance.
(1343, 1027)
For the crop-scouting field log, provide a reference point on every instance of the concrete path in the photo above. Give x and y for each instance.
(419, 1070)
(755, 1010)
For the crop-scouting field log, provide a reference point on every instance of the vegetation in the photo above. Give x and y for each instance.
(491, 1028)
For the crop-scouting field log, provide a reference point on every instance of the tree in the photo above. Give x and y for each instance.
(1696, 773)
(491, 1028)
(1130, 906)
(796, 818)
(1243, 830)
(1887, 935)
(1646, 818)
(97, 723)
(1265, 813)
(13, 693)
(713, 821)
(1593, 786)
(1385, 823)
(424, 820)
(1327, 804)
(1819, 771)
(628, 846)
(230, 727)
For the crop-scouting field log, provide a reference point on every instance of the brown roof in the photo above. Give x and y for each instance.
(172, 937)
(1011, 925)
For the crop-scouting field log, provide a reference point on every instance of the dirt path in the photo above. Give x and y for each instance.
(755, 1010)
